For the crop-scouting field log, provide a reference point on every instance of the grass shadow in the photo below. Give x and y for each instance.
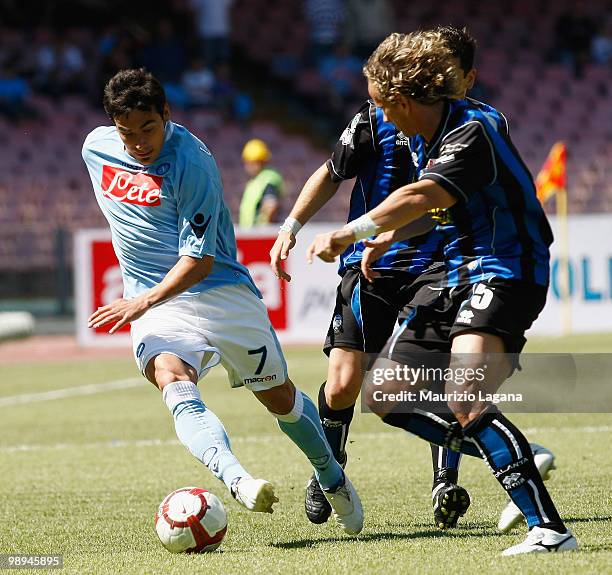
(377, 537)
(600, 519)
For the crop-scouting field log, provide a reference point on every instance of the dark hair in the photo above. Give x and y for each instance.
(461, 44)
(134, 89)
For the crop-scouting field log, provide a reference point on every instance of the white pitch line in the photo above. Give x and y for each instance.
(70, 392)
(255, 439)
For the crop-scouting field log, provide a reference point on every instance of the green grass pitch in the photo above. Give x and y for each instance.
(82, 476)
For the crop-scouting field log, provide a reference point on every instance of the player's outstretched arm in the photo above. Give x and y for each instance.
(410, 203)
(317, 191)
(399, 209)
(378, 247)
(187, 272)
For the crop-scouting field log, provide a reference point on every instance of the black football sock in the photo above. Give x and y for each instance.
(508, 454)
(445, 464)
(434, 428)
(335, 424)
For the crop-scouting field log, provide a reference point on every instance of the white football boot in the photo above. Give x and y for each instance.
(541, 540)
(511, 515)
(254, 494)
(347, 507)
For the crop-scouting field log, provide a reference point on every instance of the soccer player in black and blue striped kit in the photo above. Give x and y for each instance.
(377, 154)
(496, 258)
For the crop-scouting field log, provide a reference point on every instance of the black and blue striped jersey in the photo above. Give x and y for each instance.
(497, 228)
(378, 156)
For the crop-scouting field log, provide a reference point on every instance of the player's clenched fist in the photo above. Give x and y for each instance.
(328, 246)
(279, 252)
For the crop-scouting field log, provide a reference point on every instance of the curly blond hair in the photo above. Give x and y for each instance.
(419, 65)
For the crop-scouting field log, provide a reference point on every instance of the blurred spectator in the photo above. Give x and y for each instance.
(326, 19)
(12, 49)
(14, 94)
(118, 57)
(343, 77)
(164, 55)
(213, 26)
(601, 47)
(57, 63)
(199, 84)
(261, 198)
(108, 40)
(235, 104)
(574, 32)
(70, 74)
(44, 62)
(368, 23)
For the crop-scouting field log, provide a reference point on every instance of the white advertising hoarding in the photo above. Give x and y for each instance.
(301, 310)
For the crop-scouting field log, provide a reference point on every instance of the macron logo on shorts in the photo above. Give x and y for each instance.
(259, 379)
(131, 187)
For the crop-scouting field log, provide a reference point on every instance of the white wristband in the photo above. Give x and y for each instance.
(363, 227)
(291, 226)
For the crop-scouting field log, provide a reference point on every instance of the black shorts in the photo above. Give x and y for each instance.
(365, 313)
(506, 308)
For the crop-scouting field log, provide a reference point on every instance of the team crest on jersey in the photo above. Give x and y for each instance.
(162, 169)
(347, 136)
(415, 159)
(131, 187)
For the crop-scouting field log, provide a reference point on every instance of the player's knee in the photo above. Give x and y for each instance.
(342, 391)
(280, 399)
(165, 377)
(163, 370)
(466, 411)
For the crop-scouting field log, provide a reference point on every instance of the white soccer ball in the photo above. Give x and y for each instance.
(191, 520)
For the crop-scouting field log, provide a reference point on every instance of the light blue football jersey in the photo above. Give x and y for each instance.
(158, 213)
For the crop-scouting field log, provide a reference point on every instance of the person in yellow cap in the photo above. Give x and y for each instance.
(261, 198)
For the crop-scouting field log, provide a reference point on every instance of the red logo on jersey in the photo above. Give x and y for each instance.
(131, 187)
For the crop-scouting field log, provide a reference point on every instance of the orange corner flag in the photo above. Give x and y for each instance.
(552, 178)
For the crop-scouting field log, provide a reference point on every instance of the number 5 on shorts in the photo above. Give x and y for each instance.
(482, 297)
(264, 354)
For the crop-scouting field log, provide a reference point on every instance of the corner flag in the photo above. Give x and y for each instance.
(552, 177)
(552, 181)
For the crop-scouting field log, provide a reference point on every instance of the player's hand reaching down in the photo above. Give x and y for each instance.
(121, 312)
(328, 246)
(374, 249)
(279, 253)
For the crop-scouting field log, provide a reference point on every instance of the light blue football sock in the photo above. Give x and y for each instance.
(303, 426)
(201, 431)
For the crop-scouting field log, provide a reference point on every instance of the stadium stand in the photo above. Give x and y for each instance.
(44, 185)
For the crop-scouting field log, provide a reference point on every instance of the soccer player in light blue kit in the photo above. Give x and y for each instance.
(190, 303)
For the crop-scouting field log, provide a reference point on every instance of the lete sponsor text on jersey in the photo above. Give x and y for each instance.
(131, 187)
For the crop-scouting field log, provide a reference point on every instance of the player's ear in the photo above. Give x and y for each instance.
(470, 79)
(406, 104)
(403, 102)
(166, 114)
